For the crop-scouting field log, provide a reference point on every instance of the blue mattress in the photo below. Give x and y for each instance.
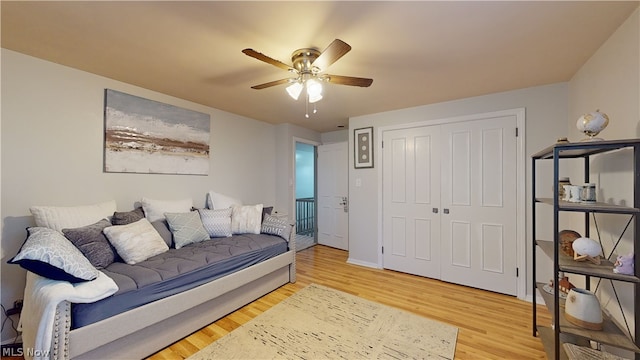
(175, 271)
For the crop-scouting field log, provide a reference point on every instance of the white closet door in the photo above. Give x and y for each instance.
(411, 192)
(479, 194)
(333, 216)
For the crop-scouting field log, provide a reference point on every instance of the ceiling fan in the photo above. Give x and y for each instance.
(308, 68)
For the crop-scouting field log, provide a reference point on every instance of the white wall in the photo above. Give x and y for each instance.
(546, 114)
(52, 153)
(335, 136)
(610, 81)
(286, 137)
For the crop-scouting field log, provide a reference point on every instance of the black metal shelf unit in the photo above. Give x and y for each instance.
(563, 331)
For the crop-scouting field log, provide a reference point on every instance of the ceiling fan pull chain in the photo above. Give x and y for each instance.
(306, 111)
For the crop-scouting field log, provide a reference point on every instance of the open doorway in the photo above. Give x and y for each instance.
(305, 195)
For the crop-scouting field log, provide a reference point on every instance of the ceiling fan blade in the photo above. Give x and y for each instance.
(331, 54)
(270, 84)
(268, 60)
(349, 80)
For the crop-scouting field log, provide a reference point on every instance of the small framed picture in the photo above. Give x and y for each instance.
(363, 147)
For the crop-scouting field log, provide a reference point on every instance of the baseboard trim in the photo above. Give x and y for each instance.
(363, 263)
(539, 299)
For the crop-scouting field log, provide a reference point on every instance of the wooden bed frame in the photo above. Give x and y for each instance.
(143, 331)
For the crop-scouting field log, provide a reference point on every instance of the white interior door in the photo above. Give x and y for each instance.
(333, 215)
(449, 202)
(479, 204)
(411, 198)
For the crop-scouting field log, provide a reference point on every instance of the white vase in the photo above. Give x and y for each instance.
(582, 309)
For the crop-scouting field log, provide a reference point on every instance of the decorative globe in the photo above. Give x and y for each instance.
(592, 123)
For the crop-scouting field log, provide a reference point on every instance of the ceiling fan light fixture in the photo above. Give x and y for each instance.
(315, 98)
(308, 67)
(294, 90)
(314, 90)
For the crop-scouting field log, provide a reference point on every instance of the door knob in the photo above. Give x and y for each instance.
(446, 211)
(435, 210)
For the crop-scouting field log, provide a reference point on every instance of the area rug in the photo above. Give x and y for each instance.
(321, 323)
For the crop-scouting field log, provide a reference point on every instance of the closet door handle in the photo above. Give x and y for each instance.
(435, 210)
(446, 211)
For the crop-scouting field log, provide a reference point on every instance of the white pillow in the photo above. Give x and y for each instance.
(137, 241)
(67, 217)
(154, 209)
(217, 222)
(218, 201)
(246, 219)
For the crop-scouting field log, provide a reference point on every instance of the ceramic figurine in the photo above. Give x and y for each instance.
(586, 249)
(624, 264)
(564, 285)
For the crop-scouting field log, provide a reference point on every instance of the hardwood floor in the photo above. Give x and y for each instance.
(491, 326)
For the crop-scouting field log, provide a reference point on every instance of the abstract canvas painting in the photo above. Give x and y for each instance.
(150, 137)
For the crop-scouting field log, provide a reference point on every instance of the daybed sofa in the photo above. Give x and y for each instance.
(184, 287)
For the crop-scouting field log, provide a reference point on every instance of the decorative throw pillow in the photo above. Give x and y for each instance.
(216, 201)
(216, 222)
(90, 240)
(273, 226)
(48, 253)
(186, 228)
(127, 217)
(67, 217)
(246, 219)
(136, 242)
(154, 209)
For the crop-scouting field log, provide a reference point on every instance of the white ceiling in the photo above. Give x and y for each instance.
(417, 52)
